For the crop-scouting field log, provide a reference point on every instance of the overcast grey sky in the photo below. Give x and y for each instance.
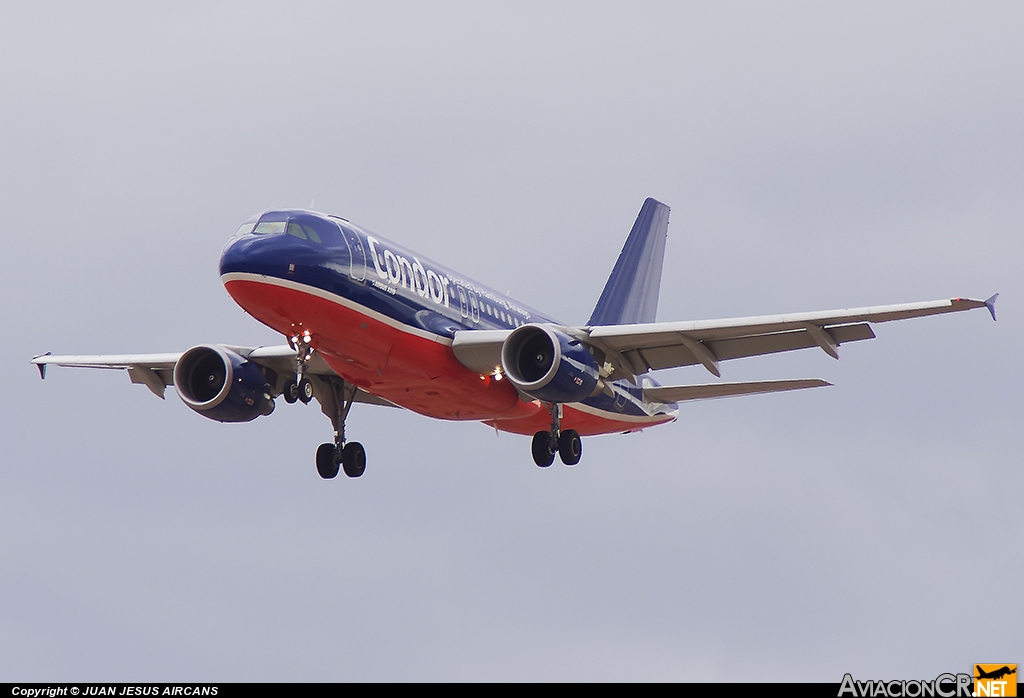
(814, 157)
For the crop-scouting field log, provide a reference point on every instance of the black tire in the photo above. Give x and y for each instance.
(290, 392)
(305, 391)
(570, 448)
(541, 447)
(353, 459)
(326, 465)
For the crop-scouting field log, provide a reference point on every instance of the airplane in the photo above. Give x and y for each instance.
(369, 321)
(996, 674)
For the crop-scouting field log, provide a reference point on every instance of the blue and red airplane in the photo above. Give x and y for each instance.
(369, 321)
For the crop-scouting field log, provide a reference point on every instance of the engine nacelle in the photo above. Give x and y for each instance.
(549, 365)
(219, 384)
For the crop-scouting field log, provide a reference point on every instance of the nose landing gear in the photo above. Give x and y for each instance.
(301, 388)
(566, 444)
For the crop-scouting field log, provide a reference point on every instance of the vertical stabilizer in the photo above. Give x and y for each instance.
(631, 294)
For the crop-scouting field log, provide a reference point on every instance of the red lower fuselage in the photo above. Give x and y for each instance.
(374, 319)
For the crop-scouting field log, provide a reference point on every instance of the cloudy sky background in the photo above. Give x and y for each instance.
(814, 158)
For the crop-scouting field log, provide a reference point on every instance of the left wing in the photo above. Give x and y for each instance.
(156, 371)
(632, 350)
(636, 349)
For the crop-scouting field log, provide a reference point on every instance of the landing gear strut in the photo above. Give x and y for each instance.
(301, 388)
(566, 443)
(332, 457)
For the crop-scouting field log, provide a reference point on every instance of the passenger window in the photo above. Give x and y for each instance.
(312, 234)
(296, 230)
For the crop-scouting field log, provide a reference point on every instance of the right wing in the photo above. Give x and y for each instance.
(156, 371)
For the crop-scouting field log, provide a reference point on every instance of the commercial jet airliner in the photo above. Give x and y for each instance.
(369, 321)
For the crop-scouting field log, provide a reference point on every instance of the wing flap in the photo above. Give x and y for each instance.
(683, 393)
(674, 355)
(156, 381)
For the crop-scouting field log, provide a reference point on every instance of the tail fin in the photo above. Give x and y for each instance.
(631, 293)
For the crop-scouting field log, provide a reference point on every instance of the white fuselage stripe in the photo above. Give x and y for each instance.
(340, 300)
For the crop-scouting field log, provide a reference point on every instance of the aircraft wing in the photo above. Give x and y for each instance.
(479, 350)
(635, 349)
(156, 371)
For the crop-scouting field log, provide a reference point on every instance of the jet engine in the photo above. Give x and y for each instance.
(219, 384)
(549, 365)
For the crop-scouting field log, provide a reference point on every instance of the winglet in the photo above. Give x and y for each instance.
(991, 305)
(40, 365)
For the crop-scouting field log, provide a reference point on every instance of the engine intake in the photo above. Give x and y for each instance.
(219, 384)
(549, 365)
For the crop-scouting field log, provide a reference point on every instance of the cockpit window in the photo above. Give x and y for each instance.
(270, 228)
(302, 226)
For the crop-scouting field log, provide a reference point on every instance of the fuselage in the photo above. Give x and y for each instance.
(384, 318)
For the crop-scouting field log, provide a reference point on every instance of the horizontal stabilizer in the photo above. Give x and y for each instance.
(682, 393)
(990, 303)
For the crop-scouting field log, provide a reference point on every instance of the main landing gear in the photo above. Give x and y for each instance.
(332, 457)
(336, 396)
(566, 443)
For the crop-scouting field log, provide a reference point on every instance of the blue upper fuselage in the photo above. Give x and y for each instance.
(341, 258)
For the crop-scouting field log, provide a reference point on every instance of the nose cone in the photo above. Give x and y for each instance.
(250, 254)
(295, 247)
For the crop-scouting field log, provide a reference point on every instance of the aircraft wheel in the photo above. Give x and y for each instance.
(541, 447)
(325, 463)
(353, 459)
(305, 391)
(570, 448)
(290, 392)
